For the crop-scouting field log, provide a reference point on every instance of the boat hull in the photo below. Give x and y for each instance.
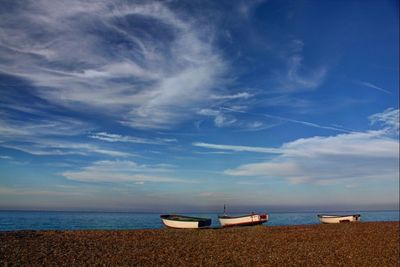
(247, 220)
(326, 219)
(185, 222)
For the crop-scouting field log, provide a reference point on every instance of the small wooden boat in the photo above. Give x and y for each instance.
(243, 220)
(180, 221)
(334, 218)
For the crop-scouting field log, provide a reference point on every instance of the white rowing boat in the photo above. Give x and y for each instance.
(186, 222)
(243, 220)
(326, 218)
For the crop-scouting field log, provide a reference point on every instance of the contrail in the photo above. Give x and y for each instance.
(306, 123)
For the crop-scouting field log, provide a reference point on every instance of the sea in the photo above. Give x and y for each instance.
(67, 220)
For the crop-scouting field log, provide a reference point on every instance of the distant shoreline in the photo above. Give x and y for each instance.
(351, 244)
(204, 212)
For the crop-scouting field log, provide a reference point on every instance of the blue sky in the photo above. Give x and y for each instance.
(189, 105)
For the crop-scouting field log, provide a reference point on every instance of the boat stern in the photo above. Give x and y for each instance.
(204, 223)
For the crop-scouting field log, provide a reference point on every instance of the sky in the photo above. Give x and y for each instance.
(178, 106)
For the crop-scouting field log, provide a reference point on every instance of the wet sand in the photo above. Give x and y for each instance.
(351, 244)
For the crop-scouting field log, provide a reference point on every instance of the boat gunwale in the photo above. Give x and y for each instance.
(241, 216)
(185, 218)
(337, 216)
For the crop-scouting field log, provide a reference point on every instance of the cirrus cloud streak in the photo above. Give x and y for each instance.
(124, 171)
(144, 64)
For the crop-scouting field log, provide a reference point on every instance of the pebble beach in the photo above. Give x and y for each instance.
(349, 244)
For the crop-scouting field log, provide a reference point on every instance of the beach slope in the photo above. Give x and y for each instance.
(352, 244)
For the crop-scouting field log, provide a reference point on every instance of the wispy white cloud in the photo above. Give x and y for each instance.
(241, 95)
(98, 56)
(212, 152)
(126, 139)
(249, 126)
(122, 172)
(220, 119)
(298, 77)
(332, 159)
(41, 147)
(389, 118)
(49, 136)
(14, 129)
(238, 148)
(287, 101)
(224, 118)
(373, 86)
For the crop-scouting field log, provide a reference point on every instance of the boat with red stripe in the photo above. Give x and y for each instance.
(242, 220)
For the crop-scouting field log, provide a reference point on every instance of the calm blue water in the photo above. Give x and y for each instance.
(57, 220)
